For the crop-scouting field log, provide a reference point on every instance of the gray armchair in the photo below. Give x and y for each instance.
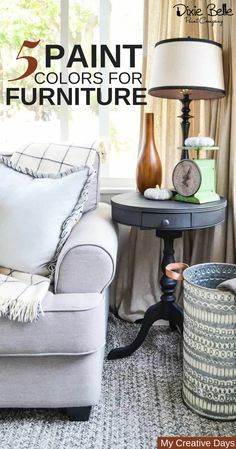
(57, 361)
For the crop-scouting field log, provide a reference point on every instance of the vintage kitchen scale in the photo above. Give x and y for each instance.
(194, 179)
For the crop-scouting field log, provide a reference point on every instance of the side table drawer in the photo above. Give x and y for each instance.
(166, 221)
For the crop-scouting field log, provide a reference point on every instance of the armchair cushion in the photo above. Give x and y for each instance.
(37, 214)
(72, 324)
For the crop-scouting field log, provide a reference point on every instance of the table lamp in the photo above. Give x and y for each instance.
(187, 69)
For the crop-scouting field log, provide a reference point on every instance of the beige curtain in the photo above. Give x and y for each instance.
(139, 269)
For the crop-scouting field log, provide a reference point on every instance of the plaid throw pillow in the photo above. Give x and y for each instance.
(51, 158)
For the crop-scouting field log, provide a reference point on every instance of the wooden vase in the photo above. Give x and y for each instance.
(149, 169)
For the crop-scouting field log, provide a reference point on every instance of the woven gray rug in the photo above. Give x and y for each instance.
(141, 400)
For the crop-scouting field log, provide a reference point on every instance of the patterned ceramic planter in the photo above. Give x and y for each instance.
(209, 370)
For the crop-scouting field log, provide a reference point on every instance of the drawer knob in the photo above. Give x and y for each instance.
(165, 222)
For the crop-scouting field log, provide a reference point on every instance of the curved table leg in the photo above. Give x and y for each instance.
(166, 309)
(153, 314)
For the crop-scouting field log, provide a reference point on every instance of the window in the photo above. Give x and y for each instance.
(72, 22)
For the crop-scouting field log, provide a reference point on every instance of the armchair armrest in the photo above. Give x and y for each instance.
(87, 261)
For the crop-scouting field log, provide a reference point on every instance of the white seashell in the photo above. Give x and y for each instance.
(199, 142)
(158, 194)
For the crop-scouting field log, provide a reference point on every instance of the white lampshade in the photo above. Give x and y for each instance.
(187, 63)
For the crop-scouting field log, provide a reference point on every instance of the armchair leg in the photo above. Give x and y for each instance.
(78, 413)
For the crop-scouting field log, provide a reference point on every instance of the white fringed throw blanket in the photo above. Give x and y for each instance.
(21, 295)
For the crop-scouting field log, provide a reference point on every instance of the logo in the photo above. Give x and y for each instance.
(212, 14)
(196, 442)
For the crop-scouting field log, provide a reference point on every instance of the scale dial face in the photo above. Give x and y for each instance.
(186, 178)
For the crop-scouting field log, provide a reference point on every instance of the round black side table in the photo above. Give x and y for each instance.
(169, 219)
